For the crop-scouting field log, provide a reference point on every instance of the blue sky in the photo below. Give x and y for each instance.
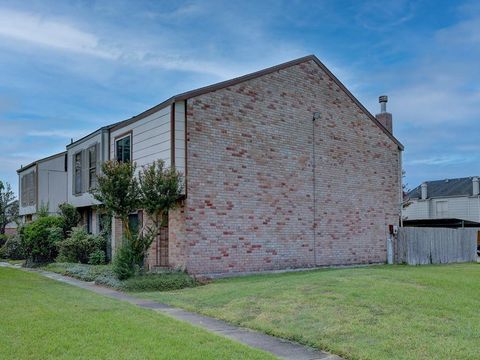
(69, 67)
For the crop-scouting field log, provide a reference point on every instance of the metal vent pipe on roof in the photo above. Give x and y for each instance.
(424, 191)
(383, 103)
(476, 186)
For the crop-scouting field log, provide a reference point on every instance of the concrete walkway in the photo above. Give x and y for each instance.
(283, 349)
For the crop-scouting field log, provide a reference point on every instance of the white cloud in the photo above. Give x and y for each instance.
(41, 31)
(442, 160)
(65, 133)
(60, 35)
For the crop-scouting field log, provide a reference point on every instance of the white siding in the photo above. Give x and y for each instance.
(180, 136)
(85, 198)
(461, 207)
(52, 183)
(151, 138)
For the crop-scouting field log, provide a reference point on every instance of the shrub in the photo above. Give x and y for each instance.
(3, 239)
(97, 257)
(40, 238)
(81, 271)
(12, 249)
(104, 275)
(124, 262)
(80, 246)
(70, 216)
(158, 282)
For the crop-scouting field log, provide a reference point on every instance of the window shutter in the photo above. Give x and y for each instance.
(98, 163)
(22, 190)
(72, 171)
(33, 190)
(84, 170)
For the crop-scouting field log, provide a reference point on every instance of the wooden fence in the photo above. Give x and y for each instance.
(417, 245)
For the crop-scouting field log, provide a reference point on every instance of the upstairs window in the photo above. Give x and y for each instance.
(92, 167)
(77, 159)
(28, 189)
(123, 147)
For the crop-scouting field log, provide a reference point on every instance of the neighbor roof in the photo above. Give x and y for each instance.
(235, 81)
(23, 168)
(442, 188)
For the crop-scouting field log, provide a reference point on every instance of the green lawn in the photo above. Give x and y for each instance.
(378, 312)
(44, 319)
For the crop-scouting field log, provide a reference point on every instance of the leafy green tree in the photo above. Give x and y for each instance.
(160, 190)
(157, 190)
(70, 216)
(8, 206)
(117, 189)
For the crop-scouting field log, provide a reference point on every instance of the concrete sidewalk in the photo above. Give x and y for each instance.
(283, 349)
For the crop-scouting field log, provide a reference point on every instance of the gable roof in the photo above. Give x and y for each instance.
(23, 168)
(443, 188)
(86, 137)
(238, 80)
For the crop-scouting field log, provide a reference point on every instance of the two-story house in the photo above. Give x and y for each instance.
(42, 183)
(284, 168)
(444, 203)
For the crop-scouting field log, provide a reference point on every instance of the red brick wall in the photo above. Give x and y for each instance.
(250, 180)
(177, 241)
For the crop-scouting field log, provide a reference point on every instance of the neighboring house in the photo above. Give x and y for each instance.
(444, 203)
(42, 183)
(284, 168)
(85, 157)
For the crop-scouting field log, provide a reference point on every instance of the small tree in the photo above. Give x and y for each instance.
(117, 189)
(157, 191)
(70, 216)
(160, 190)
(8, 206)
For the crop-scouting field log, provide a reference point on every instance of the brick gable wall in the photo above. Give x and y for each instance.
(250, 203)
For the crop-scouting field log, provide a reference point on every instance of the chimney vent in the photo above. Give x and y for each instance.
(385, 118)
(424, 191)
(476, 186)
(383, 103)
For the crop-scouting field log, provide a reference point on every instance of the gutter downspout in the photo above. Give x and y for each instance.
(316, 115)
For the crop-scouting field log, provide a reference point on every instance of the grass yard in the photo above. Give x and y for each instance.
(45, 319)
(378, 312)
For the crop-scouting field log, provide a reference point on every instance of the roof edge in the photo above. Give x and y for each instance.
(240, 79)
(213, 87)
(358, 103)
(26, 167)
(86, 137)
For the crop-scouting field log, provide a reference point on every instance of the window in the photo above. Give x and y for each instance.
(135, 222)
(78, 172)
(123, 148)
(28, 189)
(92, 167)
